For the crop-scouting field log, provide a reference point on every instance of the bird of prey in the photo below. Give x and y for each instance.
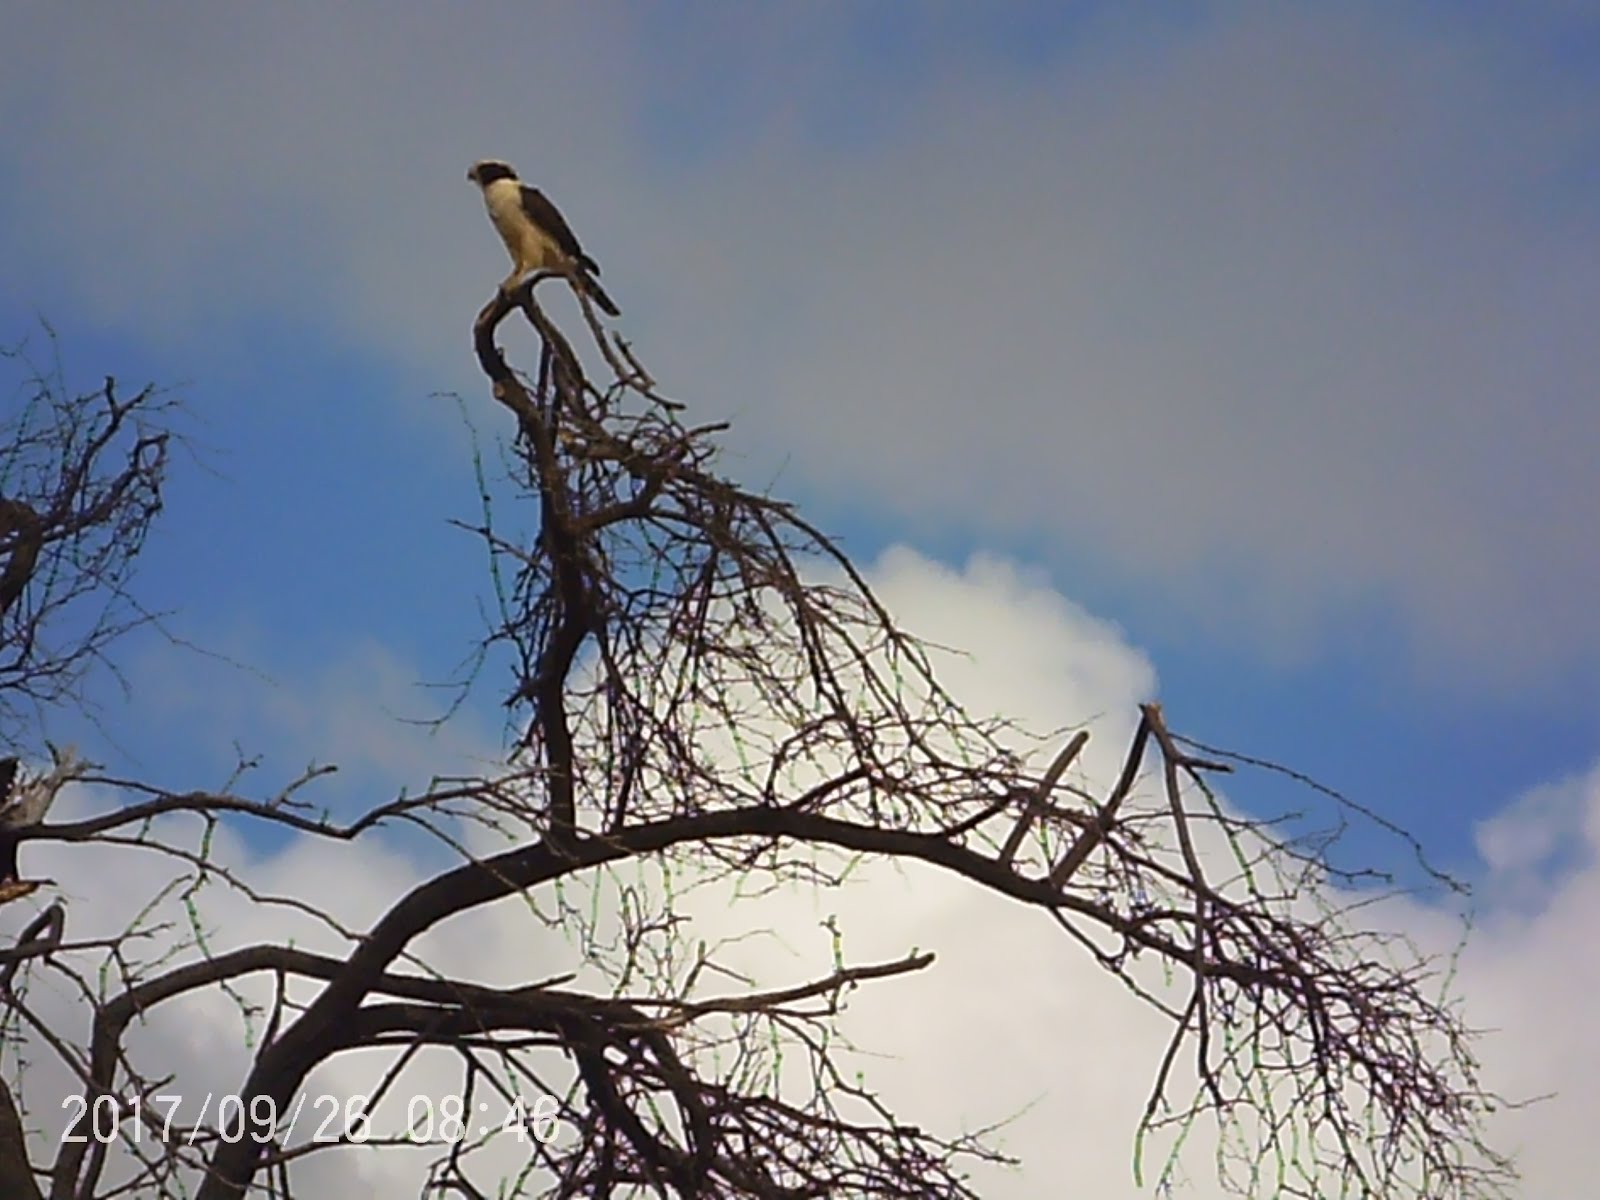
(535, 234)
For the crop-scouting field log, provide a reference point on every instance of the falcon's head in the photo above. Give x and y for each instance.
(490, 169)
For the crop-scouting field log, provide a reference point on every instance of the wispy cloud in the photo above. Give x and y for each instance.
(1279, 312)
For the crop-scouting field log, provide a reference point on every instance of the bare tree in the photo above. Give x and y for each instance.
(80, 484)
(704, 681)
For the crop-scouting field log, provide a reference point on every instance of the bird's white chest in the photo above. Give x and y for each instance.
(529, 246)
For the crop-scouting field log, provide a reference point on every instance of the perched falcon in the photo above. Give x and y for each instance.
(534, 232)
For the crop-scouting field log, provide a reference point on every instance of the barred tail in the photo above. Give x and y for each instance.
(595, 292)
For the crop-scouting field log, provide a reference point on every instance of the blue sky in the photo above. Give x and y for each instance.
(1261, 331)
(220, 265)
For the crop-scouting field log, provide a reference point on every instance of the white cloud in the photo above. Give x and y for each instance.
(1531, 974)
(1532, 844)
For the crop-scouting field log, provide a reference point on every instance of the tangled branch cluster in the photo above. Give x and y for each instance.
(80, 485)
(742, 676)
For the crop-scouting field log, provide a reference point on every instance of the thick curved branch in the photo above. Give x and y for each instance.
(282, 1067)
(17, 1179)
